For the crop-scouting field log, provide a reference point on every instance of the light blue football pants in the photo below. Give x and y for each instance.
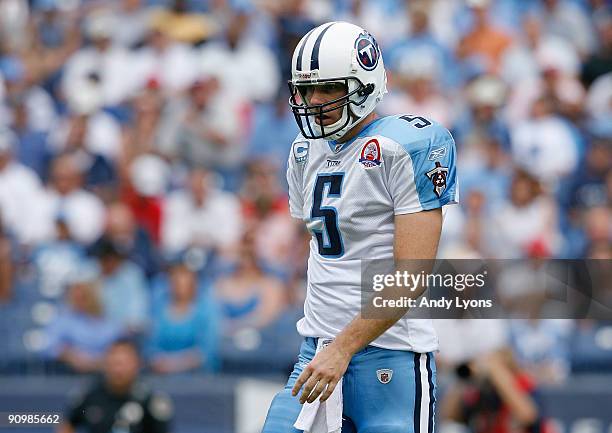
(404, 404)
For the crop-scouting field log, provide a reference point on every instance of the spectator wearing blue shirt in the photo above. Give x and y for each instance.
(291, 24)
(490, 174)
(542, 347)
(124, 289)
(423, 46)
(31, 147)
(483, 117)
(589, 189)
(273, 127)
(81, 333)
(249, 296)
(184, 334)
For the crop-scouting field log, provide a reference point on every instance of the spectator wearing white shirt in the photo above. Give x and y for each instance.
(544, 145)
(99, 132)
(82, 211)
(557, 65)
(111, 65)
(132, 19)
(519, 62)
(200, 216)
(174, 65)
(529, 220)
(204, 128)
(247, 68)
(463, 232)
(567, 20)
(19, 189)
(599, 106)
(462, 340)
(487, 383)
(14, 15)
(553, 64)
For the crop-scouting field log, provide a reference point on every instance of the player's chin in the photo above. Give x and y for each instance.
(327, 120)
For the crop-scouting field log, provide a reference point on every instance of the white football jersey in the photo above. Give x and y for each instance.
(348, 194)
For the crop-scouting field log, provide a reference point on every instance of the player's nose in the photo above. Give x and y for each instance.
(317, 97)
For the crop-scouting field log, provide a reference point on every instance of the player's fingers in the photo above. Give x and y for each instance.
(317, 391)
(302, 378)
(310, 384)
(328, 392)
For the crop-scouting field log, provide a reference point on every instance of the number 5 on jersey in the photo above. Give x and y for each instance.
(329, 240)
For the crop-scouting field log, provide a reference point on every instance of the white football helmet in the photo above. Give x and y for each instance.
(336, 52)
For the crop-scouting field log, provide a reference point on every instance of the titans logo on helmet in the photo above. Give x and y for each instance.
(368, 52)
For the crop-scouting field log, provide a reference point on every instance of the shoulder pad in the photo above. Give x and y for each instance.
(413, 133)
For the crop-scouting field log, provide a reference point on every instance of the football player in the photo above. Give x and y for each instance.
(367, 187)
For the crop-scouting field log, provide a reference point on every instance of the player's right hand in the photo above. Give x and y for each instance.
(322, 374)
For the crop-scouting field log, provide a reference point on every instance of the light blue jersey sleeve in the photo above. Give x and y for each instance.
(422, 175)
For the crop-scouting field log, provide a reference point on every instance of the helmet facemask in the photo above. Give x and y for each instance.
(306, 114)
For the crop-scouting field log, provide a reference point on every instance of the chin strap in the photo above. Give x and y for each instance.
(355, 120)
(345, 112)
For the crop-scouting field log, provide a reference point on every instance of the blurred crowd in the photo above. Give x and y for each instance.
(143, 146)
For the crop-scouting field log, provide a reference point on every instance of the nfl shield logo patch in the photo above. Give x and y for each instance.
(384, 375)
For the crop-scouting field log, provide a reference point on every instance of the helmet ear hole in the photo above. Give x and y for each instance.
(366, 90)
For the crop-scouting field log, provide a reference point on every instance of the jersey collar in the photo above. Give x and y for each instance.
(337, 147)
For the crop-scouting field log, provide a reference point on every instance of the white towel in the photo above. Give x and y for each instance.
(326, 417)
